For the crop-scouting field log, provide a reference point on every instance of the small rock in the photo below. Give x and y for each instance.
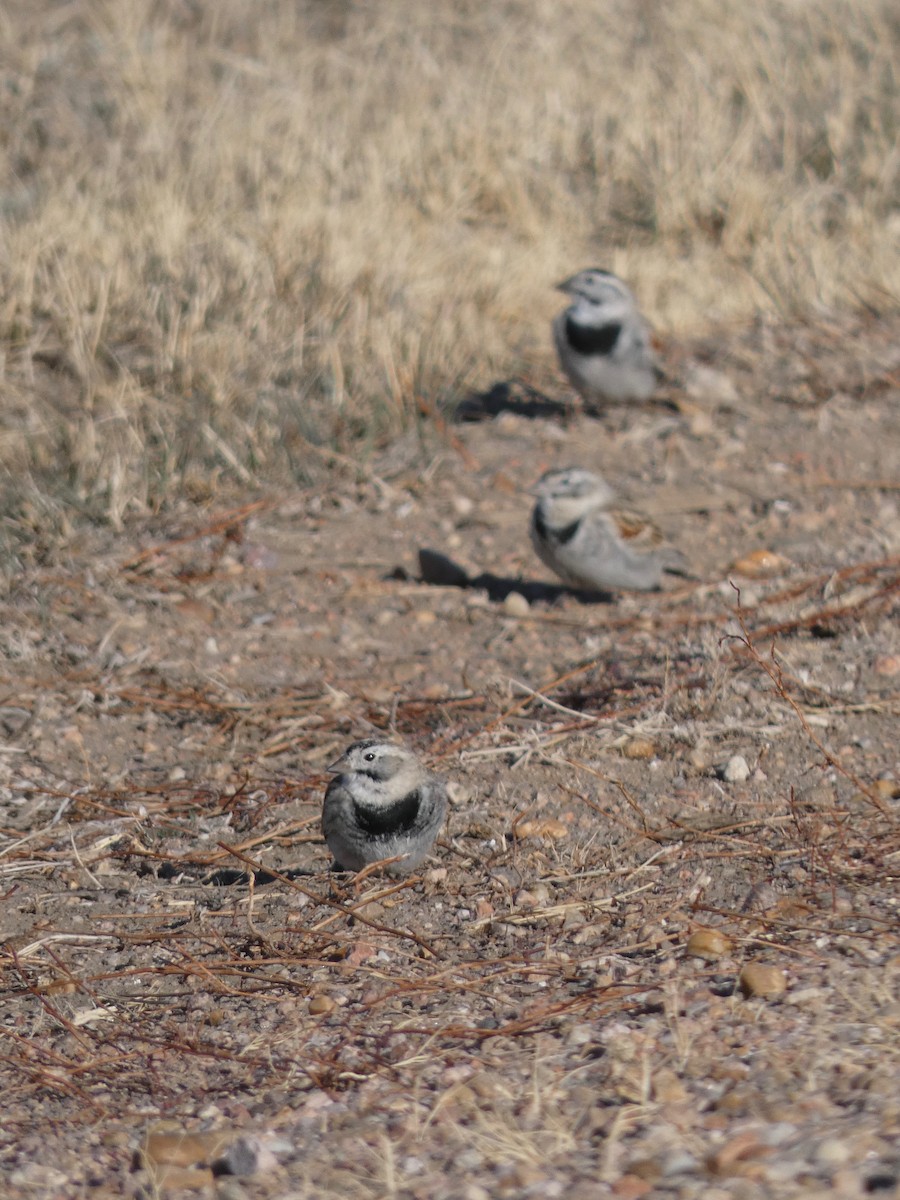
(458, 793)
(639, 747)
(537, 896)
(736, 770)
(760, 564)
(516, 604)
(708, 943)
(761, 979)
(832, 1153)
(243, 1157)
(580, 1035)
(544, 827)
(887, 664)
(318, 1006)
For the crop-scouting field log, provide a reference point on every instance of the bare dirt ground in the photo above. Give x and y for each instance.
(543, 1010)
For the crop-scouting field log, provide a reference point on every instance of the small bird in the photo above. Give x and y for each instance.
(603, 342)
(382, 803)
(590, 543)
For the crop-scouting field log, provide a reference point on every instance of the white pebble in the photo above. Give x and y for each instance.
(516, 604)
(735, 770)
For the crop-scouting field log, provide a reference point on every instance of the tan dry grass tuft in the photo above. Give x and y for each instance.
(233, 232)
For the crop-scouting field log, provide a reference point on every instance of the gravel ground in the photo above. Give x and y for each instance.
(655, 952)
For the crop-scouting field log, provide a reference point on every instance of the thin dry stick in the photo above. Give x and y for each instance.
(325, 900)
(235, 517)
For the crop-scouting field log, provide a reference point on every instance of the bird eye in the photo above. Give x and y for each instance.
(369, 756)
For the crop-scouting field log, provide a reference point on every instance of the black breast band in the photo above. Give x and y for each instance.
(557, 535)
(592, 339)
(399, 818)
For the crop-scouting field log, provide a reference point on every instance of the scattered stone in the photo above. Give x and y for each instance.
(639, 747)
(760, 564)
(542, 827)
(318, 1006)
(250, 1154)
(762, 980)
(537, 896)
(832, 1153)
(887, 664)
(516, 605)
(458, 793)
(736, 770)
(709, 944)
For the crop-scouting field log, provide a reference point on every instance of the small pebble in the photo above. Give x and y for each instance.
(708, 943)
(545, 827)
(516, 604)
(736, 770)
(241, 1158)
(760, 979)
(760, 564)
(639, 747)
(832, 1153)
(319, 1005)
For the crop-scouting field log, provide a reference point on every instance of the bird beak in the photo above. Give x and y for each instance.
(565, 286)
(337, 766)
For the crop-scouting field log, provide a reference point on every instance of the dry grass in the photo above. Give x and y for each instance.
(235, 234)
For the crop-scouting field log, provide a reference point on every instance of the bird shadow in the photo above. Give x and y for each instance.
(516, 396)
(441, 571)
(509, 396)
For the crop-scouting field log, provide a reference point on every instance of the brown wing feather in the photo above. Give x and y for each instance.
(637, 530)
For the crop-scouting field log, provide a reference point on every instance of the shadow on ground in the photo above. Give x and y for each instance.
(437, 569)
